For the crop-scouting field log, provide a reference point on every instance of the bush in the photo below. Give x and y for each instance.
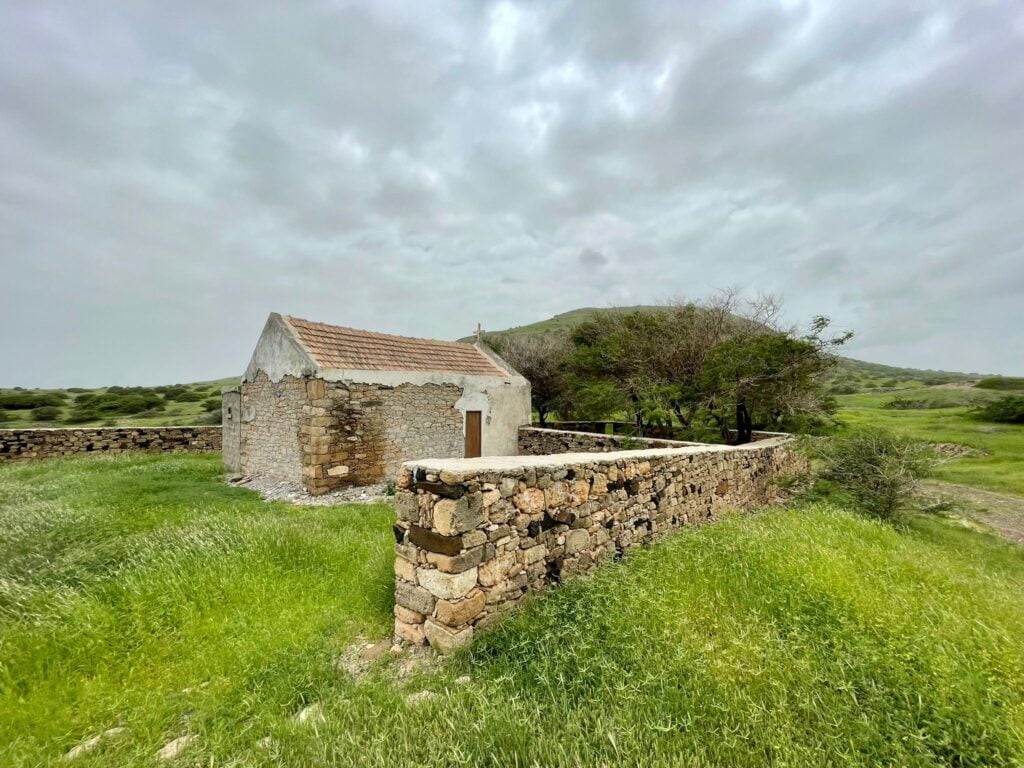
(92, 407)
(211, 405)
(1006, 410)
(26, 401)
(46, 413)
(187, 397)
(1001, 383)
(878, 469)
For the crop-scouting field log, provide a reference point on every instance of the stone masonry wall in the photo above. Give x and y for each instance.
(540, 441)
(18, 444)
(271, 414)
(476, 535)
(359, 434)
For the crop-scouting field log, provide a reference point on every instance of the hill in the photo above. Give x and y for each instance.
(851, 376)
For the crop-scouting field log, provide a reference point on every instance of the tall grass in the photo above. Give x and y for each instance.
(806, 636)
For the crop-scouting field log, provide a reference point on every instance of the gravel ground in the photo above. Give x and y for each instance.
(274, 490)
(1000, 511)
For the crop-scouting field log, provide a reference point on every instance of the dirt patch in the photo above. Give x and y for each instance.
(1003, 513)
(956, 451)
(274, 490)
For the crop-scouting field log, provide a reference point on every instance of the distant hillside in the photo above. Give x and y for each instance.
(851, 375)
(565, 321)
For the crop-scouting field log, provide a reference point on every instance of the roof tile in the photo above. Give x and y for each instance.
(333, 346)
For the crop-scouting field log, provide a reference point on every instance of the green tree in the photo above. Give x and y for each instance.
(543, 361)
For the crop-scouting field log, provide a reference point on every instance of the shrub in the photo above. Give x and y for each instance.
(212, 404)
(1006, 410)
(878, 469)
(186, 396)
(91, 407)
(26, 401)
(845, 389)
(46, 413)
(1001, 383)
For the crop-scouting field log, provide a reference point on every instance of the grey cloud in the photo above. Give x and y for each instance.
(592, 259)
(171, 174)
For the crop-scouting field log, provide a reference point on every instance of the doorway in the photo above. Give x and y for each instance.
(473, 441)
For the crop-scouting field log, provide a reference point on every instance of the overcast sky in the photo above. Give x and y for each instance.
(172, 172)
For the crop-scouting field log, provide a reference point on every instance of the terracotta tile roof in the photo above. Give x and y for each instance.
(332, 346)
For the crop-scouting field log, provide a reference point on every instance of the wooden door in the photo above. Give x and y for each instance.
(473, 441)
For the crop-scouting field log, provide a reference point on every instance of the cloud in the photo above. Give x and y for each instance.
(592, 259)
(173, 174)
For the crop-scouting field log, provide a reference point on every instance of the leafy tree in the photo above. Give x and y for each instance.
(543, 361)
(769, 379)
(721, 358)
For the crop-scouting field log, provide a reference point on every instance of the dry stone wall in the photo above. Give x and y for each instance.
(337, 434)
(271, 414)
(474, 536)
(540, 441)
(359, 434)
(18, 444)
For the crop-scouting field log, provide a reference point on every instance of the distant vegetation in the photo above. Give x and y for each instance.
(1006, 410)
(197, 403)
(1001, 383)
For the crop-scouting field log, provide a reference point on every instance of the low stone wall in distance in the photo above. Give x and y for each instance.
(541, 441)
(476, 535)
(47, 443)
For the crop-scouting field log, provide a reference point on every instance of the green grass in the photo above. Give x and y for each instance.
(126, 580)
(805, 636)
(1002, 469)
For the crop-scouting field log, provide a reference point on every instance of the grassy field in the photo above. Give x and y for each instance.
(171, 405)
(1001, 469)
(140, 592)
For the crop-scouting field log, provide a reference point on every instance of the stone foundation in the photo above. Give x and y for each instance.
(18, 444)
(476, 535)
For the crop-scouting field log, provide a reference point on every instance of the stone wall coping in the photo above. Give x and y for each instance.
(548, 430)
(554, 460)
